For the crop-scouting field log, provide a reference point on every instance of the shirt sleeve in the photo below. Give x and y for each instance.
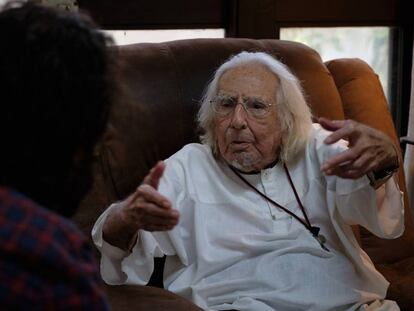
(380, 211)
(121, 267)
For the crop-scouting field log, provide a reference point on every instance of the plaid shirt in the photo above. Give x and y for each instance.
(46, 263)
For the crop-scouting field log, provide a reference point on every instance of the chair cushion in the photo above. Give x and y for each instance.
(364, 101)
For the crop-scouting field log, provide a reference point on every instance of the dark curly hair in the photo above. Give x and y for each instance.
(56, 90)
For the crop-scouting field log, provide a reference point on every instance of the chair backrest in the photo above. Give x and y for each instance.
(363, 100)
(164, 83)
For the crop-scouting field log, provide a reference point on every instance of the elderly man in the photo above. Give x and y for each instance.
(258, 216)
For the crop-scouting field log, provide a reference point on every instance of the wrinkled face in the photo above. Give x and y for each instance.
(248, 140)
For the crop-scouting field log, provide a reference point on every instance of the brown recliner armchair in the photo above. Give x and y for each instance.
(163, 84)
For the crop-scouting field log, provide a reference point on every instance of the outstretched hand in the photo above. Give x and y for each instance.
(146, 208)
(369, 149)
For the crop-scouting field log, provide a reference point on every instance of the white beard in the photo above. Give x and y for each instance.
(245, 162)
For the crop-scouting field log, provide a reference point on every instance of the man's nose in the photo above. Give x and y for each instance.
(239, 116)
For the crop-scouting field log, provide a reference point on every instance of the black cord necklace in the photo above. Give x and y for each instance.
(314, 230)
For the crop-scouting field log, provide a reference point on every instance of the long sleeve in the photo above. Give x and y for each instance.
(121, 267)
(111, 256)
(380, 211)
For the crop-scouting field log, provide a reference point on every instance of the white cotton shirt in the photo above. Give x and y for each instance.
(234, 250)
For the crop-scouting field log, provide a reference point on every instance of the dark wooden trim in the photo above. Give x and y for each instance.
(406, 64)
(263, 18)
(401, 78)
(155, 14)
(231, 18)
(255, 19)
(336, 12)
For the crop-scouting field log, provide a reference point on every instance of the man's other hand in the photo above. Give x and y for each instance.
(369, 149)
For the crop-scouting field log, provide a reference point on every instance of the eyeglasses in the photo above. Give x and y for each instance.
(224, 105)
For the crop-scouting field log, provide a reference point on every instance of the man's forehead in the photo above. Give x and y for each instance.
(253, 68)
(252, 78)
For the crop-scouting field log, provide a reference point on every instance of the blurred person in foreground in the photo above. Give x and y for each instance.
(258, 217)
(56, 91)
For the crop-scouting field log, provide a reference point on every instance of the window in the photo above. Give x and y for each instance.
(123, 37)
(371, 44)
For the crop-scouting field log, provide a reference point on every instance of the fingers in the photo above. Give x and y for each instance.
(153, 218)
(165, 223)
(369, 149)
(348, 174)
(338, 160)
(155, 174)
(156, 227)
(331, 125)
(147, 208)
(151, 211)
(353, 165)
(344, 132)
(366, 163)
(156, 219)
(149, 194)
(346, 171)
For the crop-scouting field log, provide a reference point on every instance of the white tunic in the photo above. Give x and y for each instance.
(227, 252)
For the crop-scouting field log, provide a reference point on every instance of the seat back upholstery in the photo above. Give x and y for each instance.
(363, 100)
(163, 84)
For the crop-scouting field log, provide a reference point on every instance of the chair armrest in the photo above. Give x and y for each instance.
(135, 297)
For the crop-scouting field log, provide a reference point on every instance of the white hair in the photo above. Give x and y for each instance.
(293, 113)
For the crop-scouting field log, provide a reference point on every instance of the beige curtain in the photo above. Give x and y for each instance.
(409, 153)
